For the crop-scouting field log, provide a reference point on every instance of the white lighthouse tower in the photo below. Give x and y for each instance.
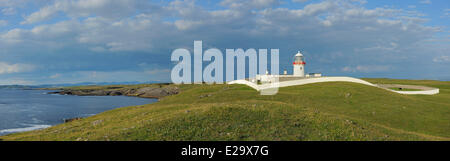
(299, 65)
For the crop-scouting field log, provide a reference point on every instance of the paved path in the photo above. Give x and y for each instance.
(422, 89)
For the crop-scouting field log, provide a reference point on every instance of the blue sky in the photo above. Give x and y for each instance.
(45, 41)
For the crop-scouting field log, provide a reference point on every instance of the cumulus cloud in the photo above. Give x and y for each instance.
(3, 23)
(249, 3)
(83, 8)
(12, 3)
(8, 11)
(6, 68)
(425, 1)
(299, 1)
(446, 13)
(443, 58)
(57, 75)
(367, 68)
(43, 14)
(329, 21)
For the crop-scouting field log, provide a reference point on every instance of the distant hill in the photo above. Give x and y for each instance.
(15, 87)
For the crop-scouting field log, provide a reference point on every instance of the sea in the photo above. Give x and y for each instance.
(25, 110)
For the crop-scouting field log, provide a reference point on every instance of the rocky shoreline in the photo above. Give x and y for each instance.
(144, 92)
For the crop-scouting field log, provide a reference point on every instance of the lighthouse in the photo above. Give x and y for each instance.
(299, 65)
(299, 73)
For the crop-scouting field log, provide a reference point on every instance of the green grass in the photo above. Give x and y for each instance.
(321, 111)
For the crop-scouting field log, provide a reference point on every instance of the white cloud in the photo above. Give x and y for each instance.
(13, 36)
(442, 58)
(301, 1)
(3, 23)
(446, 13)
(83, 8)
(379, 29)
(366, 68)
(55, 76)
(6, 68)
(8, 11)
(13, 3)
(425, 1)
(98, 49)
(43, 14)
(249, 3)
(347, 69)
(186, 24)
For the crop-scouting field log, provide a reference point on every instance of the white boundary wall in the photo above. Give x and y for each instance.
(327, 79)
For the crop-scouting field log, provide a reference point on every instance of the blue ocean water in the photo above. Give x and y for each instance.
(23, 110)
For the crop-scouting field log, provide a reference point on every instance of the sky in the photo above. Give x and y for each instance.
(72, 41)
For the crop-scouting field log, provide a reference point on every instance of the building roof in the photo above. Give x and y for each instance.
(299, 54)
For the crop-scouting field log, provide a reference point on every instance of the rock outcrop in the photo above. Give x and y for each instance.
(145, 92)
(72, 119)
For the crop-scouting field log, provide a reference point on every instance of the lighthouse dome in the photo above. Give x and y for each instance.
(299, 54)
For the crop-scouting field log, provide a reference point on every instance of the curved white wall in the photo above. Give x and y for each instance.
(427, 92)
(327, 79)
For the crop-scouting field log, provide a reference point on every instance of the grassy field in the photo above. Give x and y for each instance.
(321, 111)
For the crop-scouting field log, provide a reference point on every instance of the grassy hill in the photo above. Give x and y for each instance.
(321, 111)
